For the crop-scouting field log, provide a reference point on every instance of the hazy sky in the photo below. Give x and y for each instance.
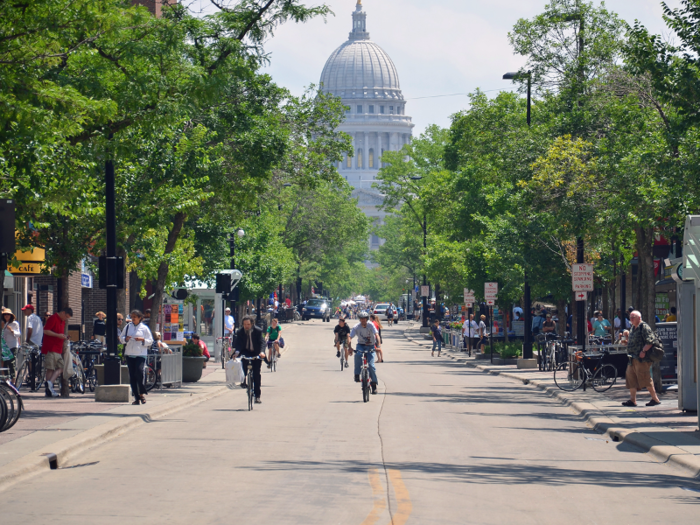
(440, 47)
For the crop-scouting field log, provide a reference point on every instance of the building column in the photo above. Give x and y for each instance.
(379, 149)
(395, 137)
(356, 141)
(365, 154)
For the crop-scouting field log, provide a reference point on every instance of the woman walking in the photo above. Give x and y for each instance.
(11, 336)
(378, 325)
(137, 338)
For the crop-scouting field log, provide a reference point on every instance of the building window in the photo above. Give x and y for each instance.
(391, 110)
(371, 109)
(371, 158)
(359, 109)
(381, 109)
(359, 158)
(375, 241)
(348, 161)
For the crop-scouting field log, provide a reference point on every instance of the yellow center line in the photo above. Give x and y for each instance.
(379, 498)
(405, 507)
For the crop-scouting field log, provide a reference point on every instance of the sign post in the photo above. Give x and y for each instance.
(490, 294)
(581, 283)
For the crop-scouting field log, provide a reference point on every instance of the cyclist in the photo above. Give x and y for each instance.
(367, 338)
(273, 339)
(249, 343)
(342, 337)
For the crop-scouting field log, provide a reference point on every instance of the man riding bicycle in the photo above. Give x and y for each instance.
(249, 344)
(367, 338)
(342, 337)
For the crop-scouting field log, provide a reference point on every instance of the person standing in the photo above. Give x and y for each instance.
(52, 347)
(470, 331)
(229, 322)
(549, 326)
(537, 322)
(671, 317)
(482, 334)
(601, 327)
(137, 338)
(11, 336)
(638, 374)
(436, 330)
(35, 328)
(99, 327)
(378, 325)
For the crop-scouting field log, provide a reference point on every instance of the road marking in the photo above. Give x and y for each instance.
(402, 499)
(379, 498)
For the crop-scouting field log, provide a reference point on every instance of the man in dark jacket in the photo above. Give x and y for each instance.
(249, 343)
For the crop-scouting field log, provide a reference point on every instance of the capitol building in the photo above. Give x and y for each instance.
(364, 77)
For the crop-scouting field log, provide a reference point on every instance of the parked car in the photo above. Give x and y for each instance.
(317, 308)
(380, 310)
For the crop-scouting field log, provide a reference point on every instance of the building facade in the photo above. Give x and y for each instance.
(363, 75)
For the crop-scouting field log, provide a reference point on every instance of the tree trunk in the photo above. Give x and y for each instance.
(173, 235)
(561, 313)
(606, 301)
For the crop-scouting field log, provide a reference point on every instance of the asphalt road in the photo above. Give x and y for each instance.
(439, 444)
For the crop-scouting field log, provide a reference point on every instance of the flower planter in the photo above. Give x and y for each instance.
(192, 369)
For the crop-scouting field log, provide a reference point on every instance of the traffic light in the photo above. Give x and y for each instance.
(223, 283)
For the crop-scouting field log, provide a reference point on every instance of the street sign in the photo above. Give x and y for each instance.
(582, 277)
(468, 295)
(490, 291)
(581, 296)
(469, 305)
(490, 302)
(424, 291)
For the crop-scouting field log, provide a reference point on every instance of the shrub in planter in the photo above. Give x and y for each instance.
(192, 362)
(191, 350)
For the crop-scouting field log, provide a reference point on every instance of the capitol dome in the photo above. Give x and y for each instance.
(361, 69)
(367, 82)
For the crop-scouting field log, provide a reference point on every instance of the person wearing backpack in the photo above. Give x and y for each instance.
(642, 345)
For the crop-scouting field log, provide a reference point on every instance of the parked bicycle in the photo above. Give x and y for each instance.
(29, 366)
(583, 369)
(10, 401)
(225, 343)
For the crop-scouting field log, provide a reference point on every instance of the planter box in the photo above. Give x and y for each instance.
(192, 369)
(100, 371)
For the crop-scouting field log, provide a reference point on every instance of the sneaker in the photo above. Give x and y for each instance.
(357, 378)
(257, 401)
(55, 394)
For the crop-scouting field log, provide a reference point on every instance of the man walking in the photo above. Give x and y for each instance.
(35, 328)
(52, 349)
(638, 375)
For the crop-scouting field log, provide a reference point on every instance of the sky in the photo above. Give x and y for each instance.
(439, 47)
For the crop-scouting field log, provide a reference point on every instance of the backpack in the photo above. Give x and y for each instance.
(656, 352)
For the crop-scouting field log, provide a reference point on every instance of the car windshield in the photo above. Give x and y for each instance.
(315, 302)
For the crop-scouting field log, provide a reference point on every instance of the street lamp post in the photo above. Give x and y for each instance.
(232, 252)
(527, 335)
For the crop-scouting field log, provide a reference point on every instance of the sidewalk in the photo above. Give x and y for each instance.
(67, 427)
(664, 431)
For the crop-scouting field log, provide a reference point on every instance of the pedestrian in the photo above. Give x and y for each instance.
(671, 317)
(638, 374)
(482, 333)
(617, 323)
(120, 325)
(601, 326)
(549, 326)
(99, 327)
(470, 330)
(537, 322)
(35, 328)
(436, 330)
(11, 336)
(378, 325)
(52, 347)
(138, 339)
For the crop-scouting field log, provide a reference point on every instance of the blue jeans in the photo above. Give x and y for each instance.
(369, 350)
(437, 342)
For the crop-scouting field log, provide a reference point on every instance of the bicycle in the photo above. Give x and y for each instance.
(30, 362)
(77, 381)
(249, 380)
(341, 350)
(225, 349)
(365, 379)
(583, 369)
(273, 359)
(547, 358)
(10, 402)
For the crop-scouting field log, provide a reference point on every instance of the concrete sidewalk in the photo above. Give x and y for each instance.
(664, 431)
(68, 427)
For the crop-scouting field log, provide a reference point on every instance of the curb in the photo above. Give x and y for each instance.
(602, 423)
(32, 464)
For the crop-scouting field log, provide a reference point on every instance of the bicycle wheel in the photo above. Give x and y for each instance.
(249, 382)
(569, 378)
(150, 378)
(604, 378)
(17, 406)
(92, 379)
(273, 364)
(365, 385)
(22, 375)
(3, 414)
(8, 401)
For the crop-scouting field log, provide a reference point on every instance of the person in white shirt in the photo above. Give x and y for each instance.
(229, 322)
(12, 336)
(470, 332)
(137, 338)
(482, 333)
(35, 328)
(367, 340)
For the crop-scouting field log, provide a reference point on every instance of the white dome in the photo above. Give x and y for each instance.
(361, 69)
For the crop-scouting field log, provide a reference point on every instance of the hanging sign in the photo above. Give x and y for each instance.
(424, 291)
(582, 277)
(490, 291)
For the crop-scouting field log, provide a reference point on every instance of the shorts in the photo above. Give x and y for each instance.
(270, 344)
(53, 361)
(638, 374)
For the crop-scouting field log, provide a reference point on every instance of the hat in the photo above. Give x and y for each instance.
(8, 311)
(28, 307)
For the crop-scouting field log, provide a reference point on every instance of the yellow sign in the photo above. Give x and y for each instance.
(28, 268)
(35, 255)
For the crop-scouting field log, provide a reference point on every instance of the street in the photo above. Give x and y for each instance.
(439, 444)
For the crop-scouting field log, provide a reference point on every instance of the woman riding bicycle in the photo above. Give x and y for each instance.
(273, 339)
(367, 338)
